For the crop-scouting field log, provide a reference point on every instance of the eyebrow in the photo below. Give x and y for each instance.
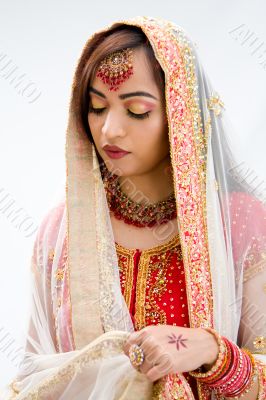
(125, 95)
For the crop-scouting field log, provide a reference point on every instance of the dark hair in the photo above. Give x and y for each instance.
(102, 44)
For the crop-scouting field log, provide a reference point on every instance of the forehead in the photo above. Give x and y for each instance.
(142, 78)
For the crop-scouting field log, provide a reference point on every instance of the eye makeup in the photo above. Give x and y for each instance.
(135, 109)
(139, 106)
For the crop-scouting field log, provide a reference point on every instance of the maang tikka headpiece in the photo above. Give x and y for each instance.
(116, 68)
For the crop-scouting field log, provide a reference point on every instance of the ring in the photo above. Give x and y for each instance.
(136, 355)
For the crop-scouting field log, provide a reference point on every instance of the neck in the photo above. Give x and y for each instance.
(151, 187)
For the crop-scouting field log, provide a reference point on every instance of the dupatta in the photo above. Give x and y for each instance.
(79, 320)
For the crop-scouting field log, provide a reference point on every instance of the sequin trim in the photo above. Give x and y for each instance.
(145, 308)
(188, 153)
(102, 348)
(174, 385)
(262, 379)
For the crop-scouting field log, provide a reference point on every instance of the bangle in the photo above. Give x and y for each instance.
(253, 376)
(224, 380)
(233, 372)
(233, 381)
(219, 363)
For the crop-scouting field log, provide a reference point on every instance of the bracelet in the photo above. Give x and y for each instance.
(233, 382)
(233, 372)
(236, 360)
(219, 363)
(252, 378)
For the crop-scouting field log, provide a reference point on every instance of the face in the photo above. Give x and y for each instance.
(132, 118)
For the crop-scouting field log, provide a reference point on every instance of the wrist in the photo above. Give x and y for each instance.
(212, 352)
(234, 372)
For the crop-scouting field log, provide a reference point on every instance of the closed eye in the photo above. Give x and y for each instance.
(95, 110)
(138, 116)
(99, 111)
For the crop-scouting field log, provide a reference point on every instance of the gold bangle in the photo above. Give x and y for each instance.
(221, 359)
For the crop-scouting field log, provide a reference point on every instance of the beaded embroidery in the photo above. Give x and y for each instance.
(188, 151)
(215, 104)
(157, 275)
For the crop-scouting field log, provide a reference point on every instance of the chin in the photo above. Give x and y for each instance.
(117, 168)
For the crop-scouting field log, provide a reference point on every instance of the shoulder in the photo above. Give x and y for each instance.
(49, 227)
(245, 199)
(247, 212)
(248, 226)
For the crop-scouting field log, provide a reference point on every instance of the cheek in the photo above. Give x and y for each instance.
(94, 127)
(155, 136)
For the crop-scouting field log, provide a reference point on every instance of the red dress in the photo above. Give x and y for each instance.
(154, 288)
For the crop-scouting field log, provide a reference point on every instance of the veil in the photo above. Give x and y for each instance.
(79, 320)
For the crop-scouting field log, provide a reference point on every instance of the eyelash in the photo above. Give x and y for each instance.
(99, 111)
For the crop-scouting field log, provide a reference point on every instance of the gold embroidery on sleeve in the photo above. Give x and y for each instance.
(254, 270)
(255, 260)
(260, 344)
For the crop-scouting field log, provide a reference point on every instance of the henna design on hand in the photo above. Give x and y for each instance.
(178, 340)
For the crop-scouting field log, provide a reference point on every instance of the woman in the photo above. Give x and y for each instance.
(148, 279)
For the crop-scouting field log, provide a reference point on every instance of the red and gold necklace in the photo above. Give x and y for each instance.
(133, 213)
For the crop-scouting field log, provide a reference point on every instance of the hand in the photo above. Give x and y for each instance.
(172, 349)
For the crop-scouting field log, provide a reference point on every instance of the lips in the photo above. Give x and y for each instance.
(114, 148)
(115, 152)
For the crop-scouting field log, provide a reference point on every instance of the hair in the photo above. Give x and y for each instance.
(103, 44)
(118, 38)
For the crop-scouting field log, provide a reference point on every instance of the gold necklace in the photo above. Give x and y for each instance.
(134, 213)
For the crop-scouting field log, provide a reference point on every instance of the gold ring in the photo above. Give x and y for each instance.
(136, 355)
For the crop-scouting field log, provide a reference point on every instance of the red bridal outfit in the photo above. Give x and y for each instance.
(89, 294)
(153, 285)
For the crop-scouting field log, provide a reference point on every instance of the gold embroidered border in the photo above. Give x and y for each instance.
(252, 271)
(174, 52)
(128, 271)
(104, 346)
(144, 265)
(187, 126)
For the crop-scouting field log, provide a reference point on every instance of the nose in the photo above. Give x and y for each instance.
(113, 126)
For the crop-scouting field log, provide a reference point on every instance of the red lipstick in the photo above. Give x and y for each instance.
(115, 151)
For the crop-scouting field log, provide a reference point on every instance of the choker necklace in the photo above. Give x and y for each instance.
(134, 213)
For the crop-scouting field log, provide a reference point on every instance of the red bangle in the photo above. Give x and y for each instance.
(222, 371)
(218, 365)
(234, 371)
(219, 383)
(235, 384)
(247, 379)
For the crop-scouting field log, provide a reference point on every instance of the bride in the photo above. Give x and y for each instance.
(148, 276)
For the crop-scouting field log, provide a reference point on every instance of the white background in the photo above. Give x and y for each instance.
(44, 40)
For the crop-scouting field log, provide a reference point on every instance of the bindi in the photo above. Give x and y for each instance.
(179, 341)
(116, 68)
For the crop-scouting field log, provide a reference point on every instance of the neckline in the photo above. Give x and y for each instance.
(173, 240)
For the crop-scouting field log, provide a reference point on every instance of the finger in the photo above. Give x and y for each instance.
(151, 358)
(153, 352)
(134, 338)
(154, 374)
(162, 367)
